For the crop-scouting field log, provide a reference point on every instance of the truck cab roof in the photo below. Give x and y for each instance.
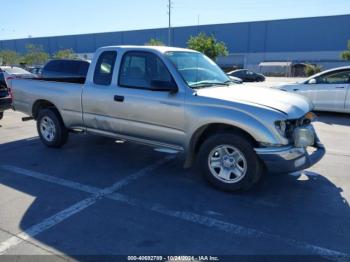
(161, 49)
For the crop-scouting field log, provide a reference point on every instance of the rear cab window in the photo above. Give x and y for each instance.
(104, 68)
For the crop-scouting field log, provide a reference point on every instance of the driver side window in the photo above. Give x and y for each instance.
(140, 69)
(342, 77)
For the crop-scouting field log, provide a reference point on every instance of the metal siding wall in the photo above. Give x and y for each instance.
(108, 39)
(140, 37)
(65, 42)
(308, 34)
(257, 37)
(9, 45)
(85, 44)
(181, 35)
(234, 35)
(43, 42)
(293, 35)
(21, 45)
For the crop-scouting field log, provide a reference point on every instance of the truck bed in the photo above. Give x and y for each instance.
(63, 93)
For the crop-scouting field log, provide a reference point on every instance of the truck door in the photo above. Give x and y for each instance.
(149, 115)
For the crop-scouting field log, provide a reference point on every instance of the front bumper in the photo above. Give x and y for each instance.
(290, 159)
(5, 103)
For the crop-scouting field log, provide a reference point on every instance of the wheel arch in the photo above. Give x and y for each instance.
(42, 104)
(205, 131)
(45, 104)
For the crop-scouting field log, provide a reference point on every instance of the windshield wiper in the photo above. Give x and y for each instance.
(210, 84)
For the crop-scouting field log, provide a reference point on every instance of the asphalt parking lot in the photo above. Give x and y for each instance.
(98, 197)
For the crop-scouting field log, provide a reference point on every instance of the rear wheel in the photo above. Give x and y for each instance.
(51, 129)
(229, 162)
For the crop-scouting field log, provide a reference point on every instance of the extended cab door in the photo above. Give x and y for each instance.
(100, 112)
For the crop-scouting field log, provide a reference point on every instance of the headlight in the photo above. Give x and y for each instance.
(304, 136)
(281, 127)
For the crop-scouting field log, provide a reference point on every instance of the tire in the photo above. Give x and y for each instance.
(51, 129)
(1, 115)
(239, 174)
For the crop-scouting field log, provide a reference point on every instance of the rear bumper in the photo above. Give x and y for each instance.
(290, 159)
(5, 103)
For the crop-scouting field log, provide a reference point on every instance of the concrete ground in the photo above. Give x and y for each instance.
(97, 197)
(276, 81)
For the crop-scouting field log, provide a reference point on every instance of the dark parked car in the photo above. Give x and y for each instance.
(247, 76)
(65, 68)
(5, 99)
(8, 73)
(236, 80)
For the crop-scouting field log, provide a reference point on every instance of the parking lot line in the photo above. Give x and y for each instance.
(74, 209)
(51, 179)
(231, 228)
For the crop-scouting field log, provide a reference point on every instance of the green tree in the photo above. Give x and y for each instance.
(35, 55)
(311, 70)
(208, 45)
(9, 57)
(155, 42)
(346, 54)
(65, 54)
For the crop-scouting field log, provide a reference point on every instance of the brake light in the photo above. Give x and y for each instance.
(10, 93)
(8, 81)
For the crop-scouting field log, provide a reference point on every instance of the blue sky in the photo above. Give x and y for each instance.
(21, 18)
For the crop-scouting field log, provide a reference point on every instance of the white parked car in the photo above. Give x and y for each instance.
(328, 91)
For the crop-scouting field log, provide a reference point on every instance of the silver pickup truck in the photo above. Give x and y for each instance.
(181, 100)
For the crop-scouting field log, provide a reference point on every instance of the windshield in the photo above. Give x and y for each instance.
(198, 70)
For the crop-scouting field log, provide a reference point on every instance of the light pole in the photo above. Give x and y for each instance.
(169, 28)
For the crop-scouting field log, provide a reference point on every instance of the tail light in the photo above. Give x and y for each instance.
(8, 82)
(10, 93)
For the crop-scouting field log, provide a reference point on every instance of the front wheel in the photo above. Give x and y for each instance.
(229, 162)
(1, 115)
(51, 129)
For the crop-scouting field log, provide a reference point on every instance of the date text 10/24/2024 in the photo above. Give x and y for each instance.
(173, 258)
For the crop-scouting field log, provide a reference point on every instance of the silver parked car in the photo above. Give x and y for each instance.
(178, 99)
(328, 91)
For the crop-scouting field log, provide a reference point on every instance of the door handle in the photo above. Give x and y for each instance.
(119, 99)
(295, 90)
(340, 87)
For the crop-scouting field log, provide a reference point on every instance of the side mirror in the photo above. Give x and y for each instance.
(164, 86)
(313, 81)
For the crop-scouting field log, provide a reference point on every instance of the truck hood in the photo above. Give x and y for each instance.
(293, 105)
